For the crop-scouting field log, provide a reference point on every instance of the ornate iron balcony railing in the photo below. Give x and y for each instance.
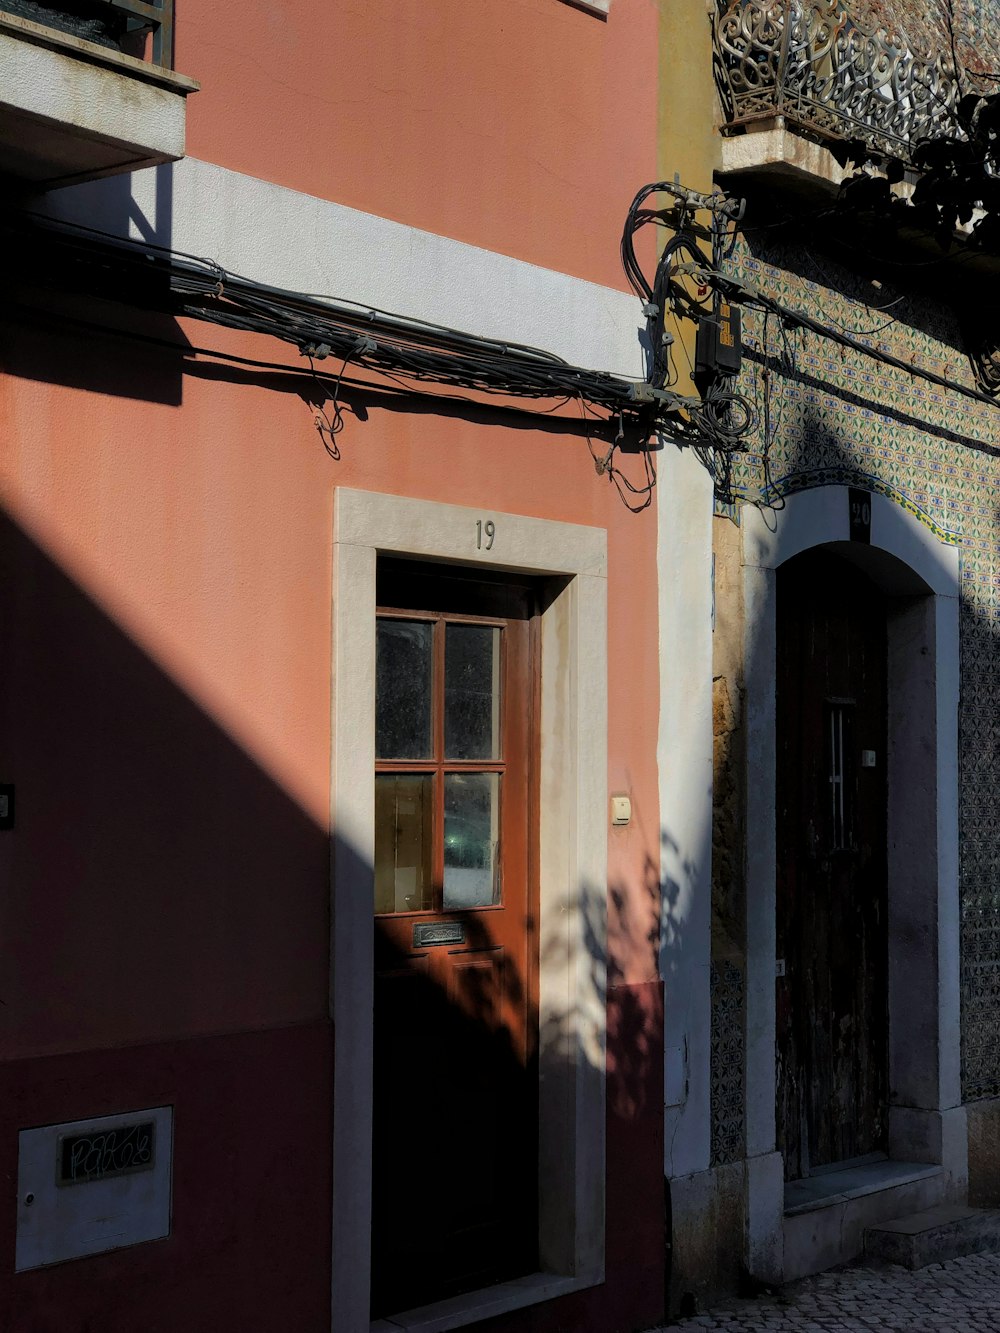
(809, 61)
(120, 25)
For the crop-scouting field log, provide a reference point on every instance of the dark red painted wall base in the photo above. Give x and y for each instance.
(250, 1246)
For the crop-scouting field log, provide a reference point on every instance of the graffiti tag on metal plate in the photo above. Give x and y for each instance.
(105, 1152)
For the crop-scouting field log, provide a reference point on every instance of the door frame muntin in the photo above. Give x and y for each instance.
(572, 884)
(926, 1116)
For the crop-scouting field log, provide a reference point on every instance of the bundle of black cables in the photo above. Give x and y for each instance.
(723, 416)
(172, 282)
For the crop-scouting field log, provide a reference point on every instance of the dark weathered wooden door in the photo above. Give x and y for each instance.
(832, 1009)
(455, 1092)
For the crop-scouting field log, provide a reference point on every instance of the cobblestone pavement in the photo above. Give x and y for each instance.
(960, 1296)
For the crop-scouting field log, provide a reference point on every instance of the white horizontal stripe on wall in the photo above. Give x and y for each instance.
(287, 239)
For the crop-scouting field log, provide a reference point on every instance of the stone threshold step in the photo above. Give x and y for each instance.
(946, 1232)
(840, 1186)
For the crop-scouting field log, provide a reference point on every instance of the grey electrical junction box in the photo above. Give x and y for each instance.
(93, 1185)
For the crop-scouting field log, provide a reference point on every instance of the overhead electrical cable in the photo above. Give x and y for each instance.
(688, 284)
(735, 290)
(374, 339)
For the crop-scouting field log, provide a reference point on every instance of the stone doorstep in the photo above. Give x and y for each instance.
(855, 1182)
(946, 1232)
(830, 1230)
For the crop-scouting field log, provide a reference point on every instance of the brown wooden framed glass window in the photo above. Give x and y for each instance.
(440, 761)
(451, 695)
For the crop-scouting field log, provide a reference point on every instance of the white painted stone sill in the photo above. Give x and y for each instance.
(773, 145)
(92, 53)
(477, 1305)
(594, 6)
(774, 148)
(854, 1183)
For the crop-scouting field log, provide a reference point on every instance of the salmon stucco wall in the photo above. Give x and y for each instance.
(166, 537)
(523, 126)
(167, 540)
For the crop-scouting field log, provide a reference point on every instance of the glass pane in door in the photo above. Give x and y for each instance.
(471, 840)
(471, 692)
(403, 689)
(403, 842)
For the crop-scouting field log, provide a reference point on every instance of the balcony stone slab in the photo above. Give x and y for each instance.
(773, 148)
(72, 111)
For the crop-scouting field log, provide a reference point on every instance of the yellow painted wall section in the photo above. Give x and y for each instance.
(688, 140)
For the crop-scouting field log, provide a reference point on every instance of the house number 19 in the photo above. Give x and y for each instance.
(487, 530)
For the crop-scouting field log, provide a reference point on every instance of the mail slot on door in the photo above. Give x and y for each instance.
(428, 934)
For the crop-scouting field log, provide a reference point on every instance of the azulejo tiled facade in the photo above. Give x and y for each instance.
(839, 416)
(728, 1061)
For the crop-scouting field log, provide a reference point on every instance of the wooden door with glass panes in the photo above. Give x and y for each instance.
(455, 1092)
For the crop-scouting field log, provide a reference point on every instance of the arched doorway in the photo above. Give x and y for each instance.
(795, 1228)
(831, 997)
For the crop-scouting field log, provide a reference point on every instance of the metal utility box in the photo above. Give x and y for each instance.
(93, 1185)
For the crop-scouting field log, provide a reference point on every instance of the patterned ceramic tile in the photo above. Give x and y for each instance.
(728, 1069)
(840, 417)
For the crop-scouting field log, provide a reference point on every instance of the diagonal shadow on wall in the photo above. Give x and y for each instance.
(167, 908)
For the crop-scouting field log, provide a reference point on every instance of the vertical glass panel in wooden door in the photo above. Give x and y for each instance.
(403, 842)
(403, 714)
(471, 692)
(471, 840)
